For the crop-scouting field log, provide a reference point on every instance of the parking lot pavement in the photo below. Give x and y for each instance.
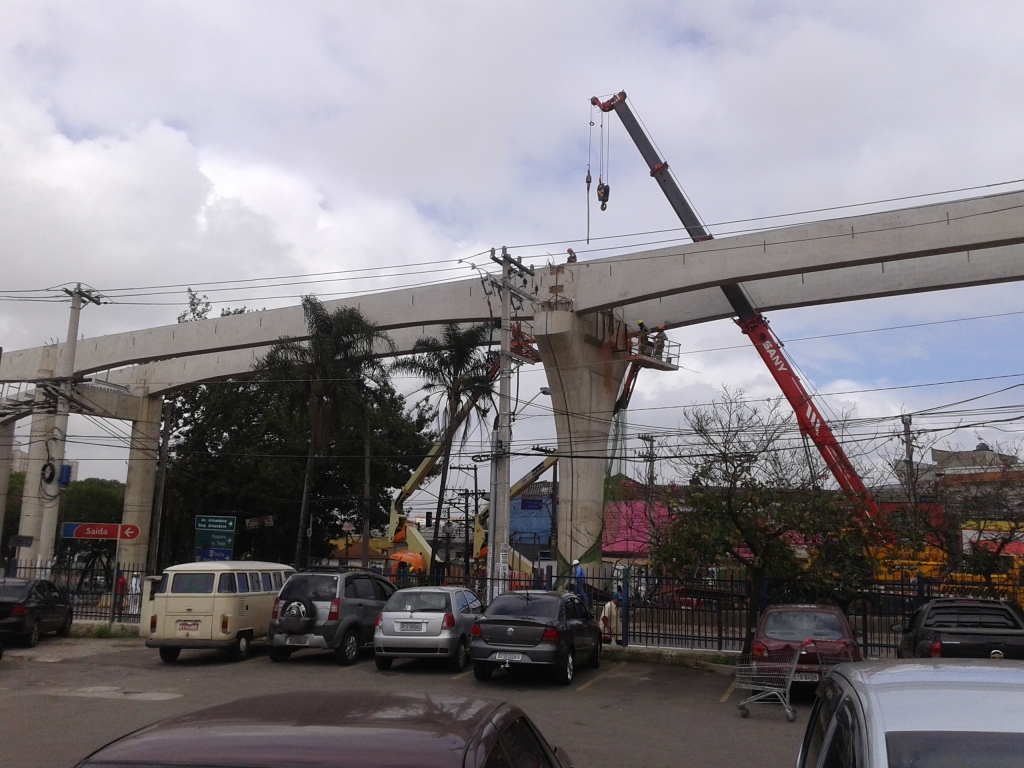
(65, 698)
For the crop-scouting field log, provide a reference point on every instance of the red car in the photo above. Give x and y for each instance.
(811, 630)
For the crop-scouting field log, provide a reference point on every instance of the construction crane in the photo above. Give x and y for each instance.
(812, 424)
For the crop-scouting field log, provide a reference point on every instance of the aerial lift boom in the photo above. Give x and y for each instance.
(751, 322)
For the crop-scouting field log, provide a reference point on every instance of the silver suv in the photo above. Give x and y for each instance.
(334, 608)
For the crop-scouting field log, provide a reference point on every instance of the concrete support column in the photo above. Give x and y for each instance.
(6, 461)
(584, 361)
(38, 455)
(141, 482)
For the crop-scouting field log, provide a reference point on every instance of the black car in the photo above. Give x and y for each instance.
(341, 729)
(32, 607)
(521, 629)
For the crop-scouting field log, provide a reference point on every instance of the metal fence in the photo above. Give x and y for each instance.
(97, 591)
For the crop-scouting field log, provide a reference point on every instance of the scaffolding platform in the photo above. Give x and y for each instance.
(651, 352)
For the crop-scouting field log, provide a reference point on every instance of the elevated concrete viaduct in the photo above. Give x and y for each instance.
(580, 320)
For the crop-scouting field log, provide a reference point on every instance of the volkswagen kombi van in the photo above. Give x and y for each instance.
(225, 604)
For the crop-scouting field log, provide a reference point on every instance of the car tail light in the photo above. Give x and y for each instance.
(935, 650)
(757, 648)
(19, 610)
(448, 622)
(476, 631)
(550, 635)
(335, 611)
(225, 621)
(277, 602)
(152, 623)
(380, 618)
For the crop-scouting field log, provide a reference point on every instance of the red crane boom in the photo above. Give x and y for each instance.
(751, 322)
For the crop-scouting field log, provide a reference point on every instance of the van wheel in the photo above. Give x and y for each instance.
(240, 648)
(169, 655)
(383, 662)
(457, 662)
(278, 655)
(347, 653)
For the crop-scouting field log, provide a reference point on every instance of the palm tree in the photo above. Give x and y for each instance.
(332, 373)
(458, 372)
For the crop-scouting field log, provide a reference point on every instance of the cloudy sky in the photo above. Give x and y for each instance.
(151, 144)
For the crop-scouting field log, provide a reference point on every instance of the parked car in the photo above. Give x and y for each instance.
(809, 629)
(546, 629)
(224, 604)
(327, 607)
(963, 628)
(341, 730)
(917, 714)
(426, 622)
(30, 608)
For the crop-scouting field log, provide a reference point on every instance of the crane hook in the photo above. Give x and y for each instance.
(602, 194)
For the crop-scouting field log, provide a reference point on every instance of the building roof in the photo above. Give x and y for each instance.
(354, 549)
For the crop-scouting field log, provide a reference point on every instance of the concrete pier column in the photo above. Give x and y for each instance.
(584, 361)
(141, 481)
(38, 454)
(6, 461)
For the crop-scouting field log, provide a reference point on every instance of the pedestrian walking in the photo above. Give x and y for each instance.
(579, 582)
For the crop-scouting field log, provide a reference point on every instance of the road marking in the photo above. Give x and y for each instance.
(113, 692)
(728, 693)
(462, 674)
(589, 683)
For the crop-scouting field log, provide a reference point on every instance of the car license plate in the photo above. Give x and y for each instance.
(503, 656)
(805, 677)
(188, 626)
(296, 640)
(410, 626)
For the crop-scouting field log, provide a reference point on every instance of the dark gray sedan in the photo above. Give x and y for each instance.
(340, 729)
(32, 607)
(524, 629)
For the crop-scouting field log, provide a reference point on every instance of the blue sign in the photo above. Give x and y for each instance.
(534, 504)
(206, 555)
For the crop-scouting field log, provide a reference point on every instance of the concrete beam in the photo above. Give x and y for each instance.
(968, 225)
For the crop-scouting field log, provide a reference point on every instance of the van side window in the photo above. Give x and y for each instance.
(192, 584)
(254, 582)
(227, 584)
(162, 589)
(268, 584)
(243, 582)
(277, 581)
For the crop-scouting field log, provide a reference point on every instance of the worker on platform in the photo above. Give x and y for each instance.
(659, 342)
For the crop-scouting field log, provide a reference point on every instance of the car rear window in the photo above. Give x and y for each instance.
(319, 588)
(953, 749)
(797, 626)
(430, 602)
(533, 606)
(192, 584)
(13, 591)
(967, 616)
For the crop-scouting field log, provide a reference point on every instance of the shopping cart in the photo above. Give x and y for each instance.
(769, 677)
(827, 656)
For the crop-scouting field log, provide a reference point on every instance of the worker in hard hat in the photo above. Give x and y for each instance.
(659, 342)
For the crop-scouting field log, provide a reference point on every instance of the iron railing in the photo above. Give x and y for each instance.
(97, 591)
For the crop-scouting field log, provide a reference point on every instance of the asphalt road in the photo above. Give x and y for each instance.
(66, 697)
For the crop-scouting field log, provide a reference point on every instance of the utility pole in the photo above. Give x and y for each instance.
(158, 500)
(908, 442)
(476, 496)
(366, 500)
(49, 489)
(498, 569)
(651, 456)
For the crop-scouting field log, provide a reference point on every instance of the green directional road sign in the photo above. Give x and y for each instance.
(215, 540)
(215, 523)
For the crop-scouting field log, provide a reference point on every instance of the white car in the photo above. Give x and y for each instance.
(929, 714)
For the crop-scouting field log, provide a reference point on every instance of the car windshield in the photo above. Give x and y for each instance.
(953, 749)
(534, 606)
(798, 626)
(431, 602)
(17, 592)
(318, 587)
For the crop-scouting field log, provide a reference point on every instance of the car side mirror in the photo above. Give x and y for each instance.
(897, 628)
(753, 630)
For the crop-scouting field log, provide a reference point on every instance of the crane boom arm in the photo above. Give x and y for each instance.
(751, 322)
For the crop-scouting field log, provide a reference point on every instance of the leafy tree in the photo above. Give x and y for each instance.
(753, 500)
(456, 372)
(333, 373)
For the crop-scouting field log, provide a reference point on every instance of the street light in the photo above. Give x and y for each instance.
(541, 391)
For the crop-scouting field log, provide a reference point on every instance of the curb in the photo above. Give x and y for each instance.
(80, 628)
(680, 657)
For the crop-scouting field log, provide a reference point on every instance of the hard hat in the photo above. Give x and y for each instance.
(575, 562)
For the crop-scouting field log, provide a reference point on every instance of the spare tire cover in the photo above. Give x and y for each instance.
(297, 616)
